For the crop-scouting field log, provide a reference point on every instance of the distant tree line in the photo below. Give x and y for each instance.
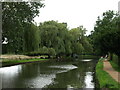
(50, 37)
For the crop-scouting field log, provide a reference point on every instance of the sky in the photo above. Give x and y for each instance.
(75, 12)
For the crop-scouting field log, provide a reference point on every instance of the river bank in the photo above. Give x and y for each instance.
(105, 80)
(8, 62)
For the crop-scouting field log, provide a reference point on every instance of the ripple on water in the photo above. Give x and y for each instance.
(40, 81)
(86, 60)
(63, 68)
(67, 67)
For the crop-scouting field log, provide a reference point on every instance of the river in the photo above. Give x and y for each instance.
(50, 74)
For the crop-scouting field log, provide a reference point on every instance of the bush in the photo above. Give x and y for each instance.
(42, 51)
(35, 53)
(51, 51)
(115, 58)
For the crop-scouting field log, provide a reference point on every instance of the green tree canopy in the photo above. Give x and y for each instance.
(106, 34)
(14, 16)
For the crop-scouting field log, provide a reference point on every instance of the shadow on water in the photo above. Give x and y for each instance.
(51, 74)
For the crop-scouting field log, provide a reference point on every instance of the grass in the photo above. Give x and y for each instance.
(15, 62)
(115, 66)
(88, 56)
(105, 80)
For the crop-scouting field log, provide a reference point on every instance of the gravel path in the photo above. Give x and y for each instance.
(108, 68)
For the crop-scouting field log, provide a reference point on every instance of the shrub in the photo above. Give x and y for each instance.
(51, 51)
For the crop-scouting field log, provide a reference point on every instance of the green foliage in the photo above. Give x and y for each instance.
(115, 58)
(14, 19)
(87, 46)
(50, 37)
(106, 34)
(32, 38)
(115, 66)
(51, 51)
(43, 50)
(55, 35)
(79, 41)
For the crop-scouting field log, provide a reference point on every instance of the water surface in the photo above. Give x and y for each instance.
(51, 74)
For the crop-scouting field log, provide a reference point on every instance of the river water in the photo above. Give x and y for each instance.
(50, 74)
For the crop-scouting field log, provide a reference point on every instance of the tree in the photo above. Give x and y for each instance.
(79, 41)
(15, 15)
(51, 52)
(106, 34)
(53, 35)
(31, 38)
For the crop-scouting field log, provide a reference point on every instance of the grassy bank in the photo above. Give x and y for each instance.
(16, 62)
(105, 80)
(115, 66)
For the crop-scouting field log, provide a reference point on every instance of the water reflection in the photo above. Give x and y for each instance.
(88, 80)
(86, 60)
(9, 74)
(51, 74)
(64, 68)
(10, 70)
(40, 81)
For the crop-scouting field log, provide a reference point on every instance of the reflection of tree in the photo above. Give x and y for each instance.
(74, 78)
(67, 78)
(35, 69)
(26, 73)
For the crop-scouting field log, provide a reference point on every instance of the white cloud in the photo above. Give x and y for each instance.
(75, 12)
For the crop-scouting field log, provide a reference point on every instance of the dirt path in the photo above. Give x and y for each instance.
(108, 68)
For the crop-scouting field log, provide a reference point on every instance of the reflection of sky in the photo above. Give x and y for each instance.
(67, 67)
(64, 67)
(10, 74)
(88, 79)
(10, 71)
(44, 79)
(86, 60)
(40, 81)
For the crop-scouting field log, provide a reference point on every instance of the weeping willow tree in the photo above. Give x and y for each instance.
(52, 36)
(32, 38)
